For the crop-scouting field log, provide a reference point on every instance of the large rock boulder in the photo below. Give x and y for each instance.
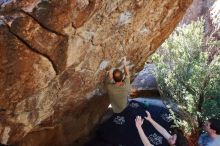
(54, 56)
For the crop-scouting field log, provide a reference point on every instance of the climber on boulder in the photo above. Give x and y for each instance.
(118, 88)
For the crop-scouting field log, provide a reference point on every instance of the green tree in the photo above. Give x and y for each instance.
(188, 74)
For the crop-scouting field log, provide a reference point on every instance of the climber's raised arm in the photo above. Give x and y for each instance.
(126, 69)
(110, 74)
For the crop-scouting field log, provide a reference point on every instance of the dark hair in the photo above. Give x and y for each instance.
(117, 75)
(215, 125)
(181, 139)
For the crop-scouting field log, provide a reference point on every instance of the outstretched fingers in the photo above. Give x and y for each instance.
(138, 121)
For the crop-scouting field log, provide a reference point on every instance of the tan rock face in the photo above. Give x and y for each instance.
(46, 43)
(23, 72)
(54, 56)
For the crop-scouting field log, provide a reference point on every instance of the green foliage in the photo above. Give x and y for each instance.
(188, 75)
(211, 108)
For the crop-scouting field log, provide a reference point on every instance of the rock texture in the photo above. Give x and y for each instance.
(209, 10)
(145, 84)
(215, 14)
(54, 56)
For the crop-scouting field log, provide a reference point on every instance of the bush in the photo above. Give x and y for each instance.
(188, 74)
